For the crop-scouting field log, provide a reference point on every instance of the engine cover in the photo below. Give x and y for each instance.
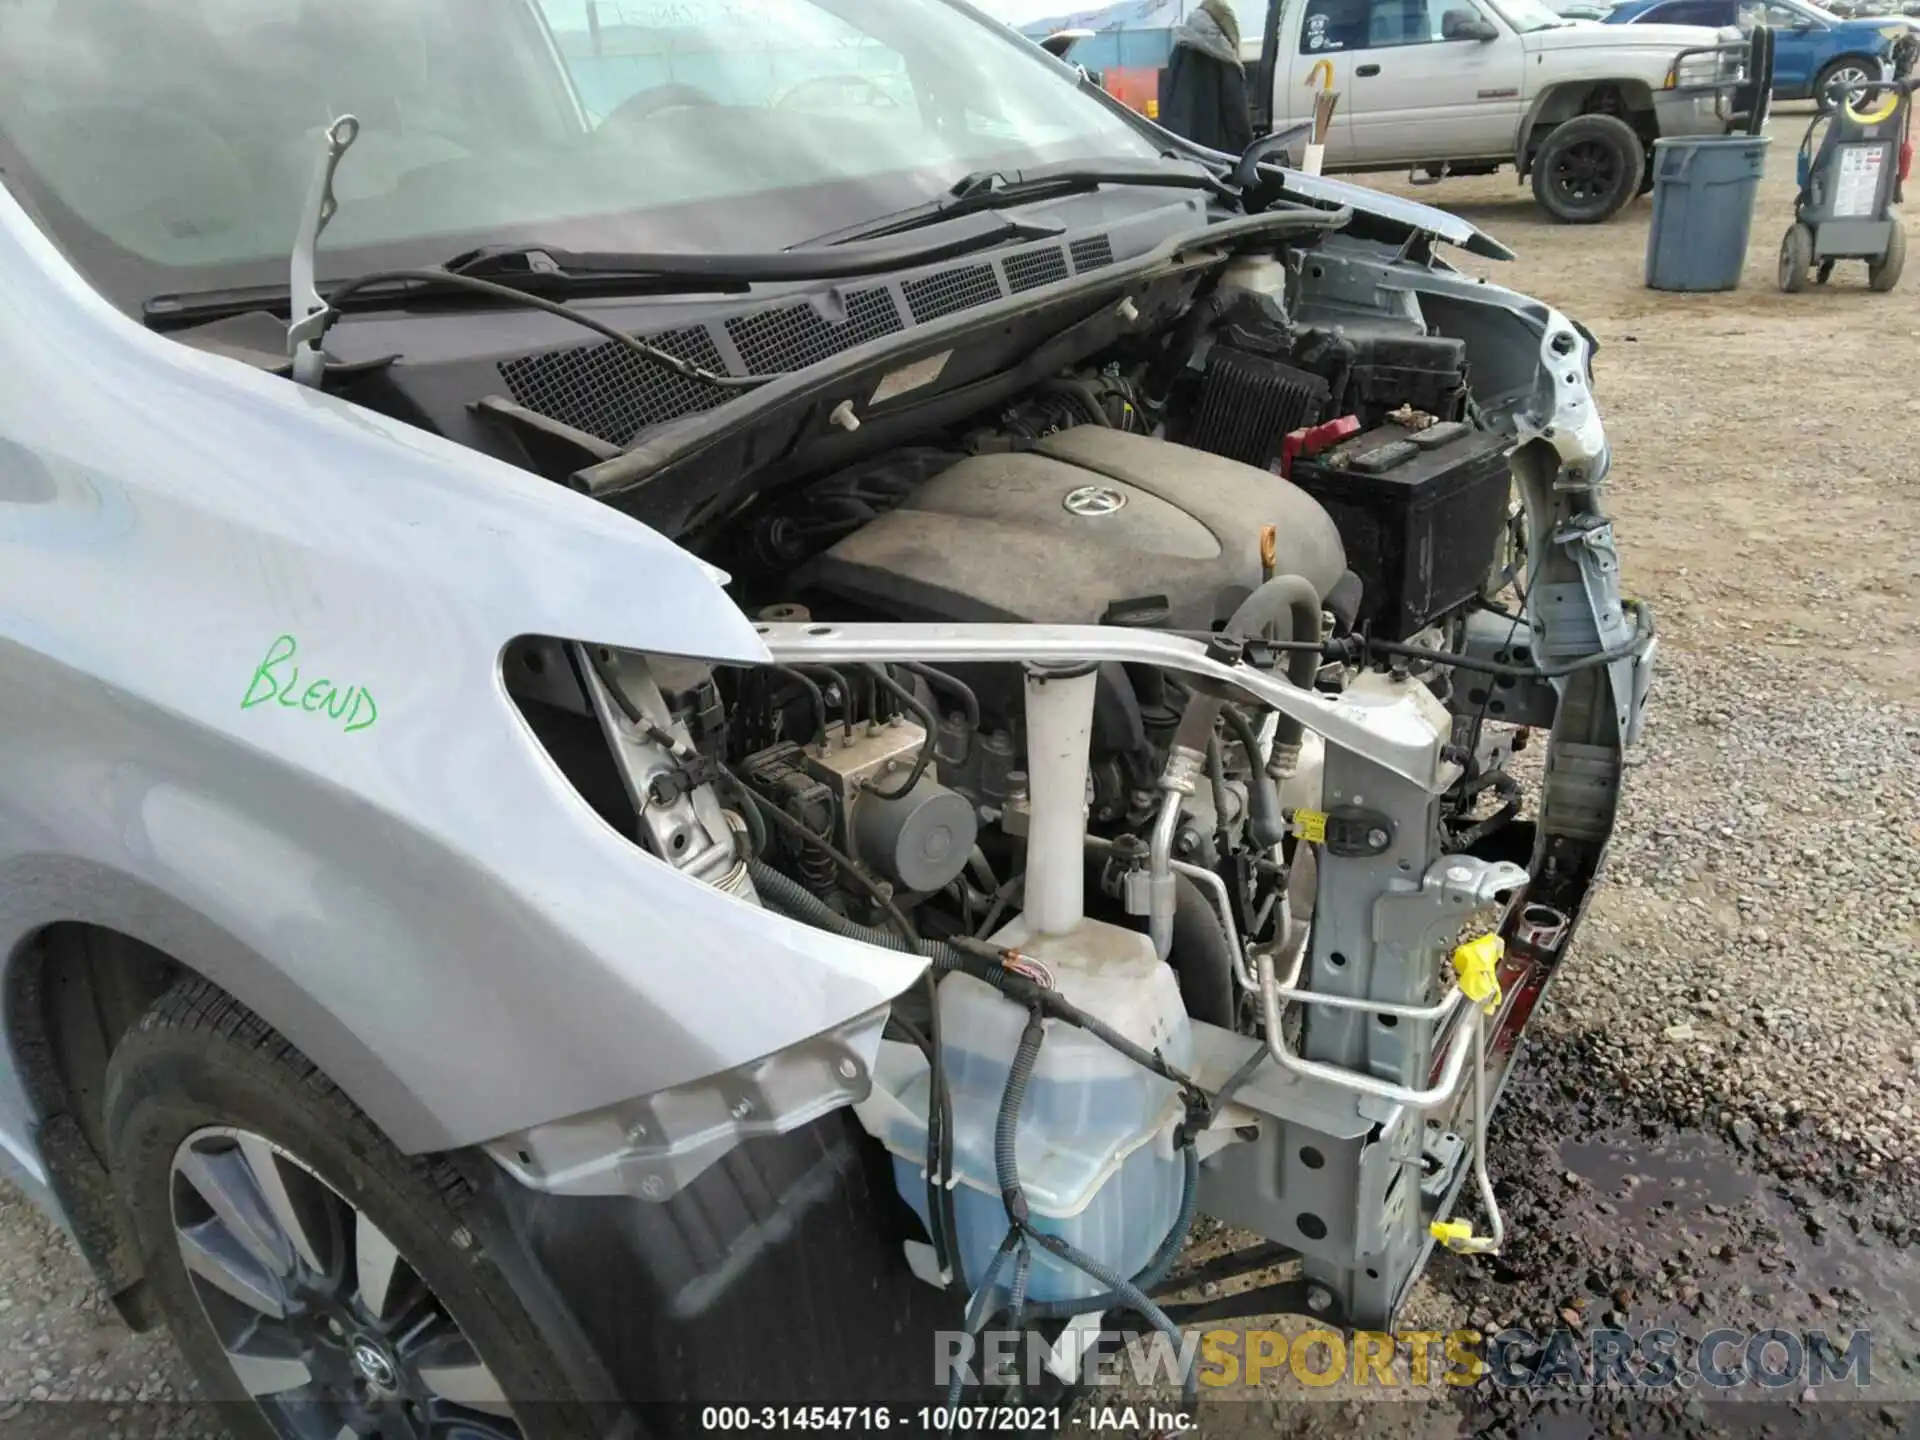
(1088, 519)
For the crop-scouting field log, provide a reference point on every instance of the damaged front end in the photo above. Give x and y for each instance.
(1230, 896)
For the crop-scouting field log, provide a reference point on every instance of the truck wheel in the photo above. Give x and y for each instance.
(1796, 254)
(1853, 69)
(1883, 274)
(1588, 168)
(319, 1282)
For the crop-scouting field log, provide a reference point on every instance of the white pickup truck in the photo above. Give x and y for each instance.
(1463, 87)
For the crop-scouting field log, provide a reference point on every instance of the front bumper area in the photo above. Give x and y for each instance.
(1706, 111)
(775, 1278)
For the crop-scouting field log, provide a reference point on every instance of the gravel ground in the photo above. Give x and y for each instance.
(1718, 1120)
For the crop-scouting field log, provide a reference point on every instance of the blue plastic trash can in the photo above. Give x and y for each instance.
(1703, 193)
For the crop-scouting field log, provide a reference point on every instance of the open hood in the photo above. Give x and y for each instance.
(1410, 213)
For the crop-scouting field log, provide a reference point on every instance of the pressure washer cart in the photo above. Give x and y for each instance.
(1850, 182)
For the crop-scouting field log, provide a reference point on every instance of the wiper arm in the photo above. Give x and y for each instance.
(307, 319)
(534, 263)
(541, 269)
(996, 190)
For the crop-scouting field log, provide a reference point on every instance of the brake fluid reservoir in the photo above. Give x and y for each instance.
(1095, 1142)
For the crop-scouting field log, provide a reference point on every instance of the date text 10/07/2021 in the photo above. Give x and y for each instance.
(942, 1419)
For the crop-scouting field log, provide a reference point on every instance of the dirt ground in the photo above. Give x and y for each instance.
(1716, 1120)
(1764, 483)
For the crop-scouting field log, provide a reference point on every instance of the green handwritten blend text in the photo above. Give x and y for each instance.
(277, 678)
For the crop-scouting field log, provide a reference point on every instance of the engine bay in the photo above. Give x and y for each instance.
(1166, 707)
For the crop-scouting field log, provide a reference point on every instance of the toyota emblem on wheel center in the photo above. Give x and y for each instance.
(373, 1366)
(1093, 500)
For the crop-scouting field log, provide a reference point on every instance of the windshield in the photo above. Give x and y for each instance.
(1526, 16)
(168, 143)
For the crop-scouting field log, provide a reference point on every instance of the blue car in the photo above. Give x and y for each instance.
(1812, 47)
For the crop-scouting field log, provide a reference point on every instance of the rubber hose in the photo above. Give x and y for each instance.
(1154, 1271)
(1289, 598)
(785, 893)
(1007, 1172)
(1200, 957)
(1006, 1126)
(756, 824)
(959, 1379)
(1129, 1295)
(1196, 723)
(1217, 783)
(1263, 799)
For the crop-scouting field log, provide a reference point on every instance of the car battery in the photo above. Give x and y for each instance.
(1422, 513)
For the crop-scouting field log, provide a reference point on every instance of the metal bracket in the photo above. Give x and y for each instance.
(1452, 890)
(1298, 1296)
(309, 314)
(1391, 727)
(655, 1146)
(685, 827)
(1572, 620)
(1506, 641)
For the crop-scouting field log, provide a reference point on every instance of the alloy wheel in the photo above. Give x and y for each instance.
(326, 1324)
(1840, 85)
(1586, 172)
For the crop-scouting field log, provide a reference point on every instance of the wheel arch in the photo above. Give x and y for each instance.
(76, 981)
(1869, 62)
(1631, 100)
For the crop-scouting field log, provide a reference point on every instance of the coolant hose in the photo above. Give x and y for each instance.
(1200, 956)
(1289, 603)
(1263, 800)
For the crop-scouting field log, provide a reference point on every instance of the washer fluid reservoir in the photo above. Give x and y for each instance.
(1095, 1144)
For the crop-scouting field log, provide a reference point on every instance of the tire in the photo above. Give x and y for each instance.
(1796, 254)
(1588, 169)
(399, 1314)
(1883, 274)
(1867, 69)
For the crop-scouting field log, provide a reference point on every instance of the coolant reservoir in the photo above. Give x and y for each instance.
(1095, 1143)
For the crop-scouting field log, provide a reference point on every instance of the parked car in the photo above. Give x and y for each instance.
(1813, 48)
(1461, 87)
(610, 657)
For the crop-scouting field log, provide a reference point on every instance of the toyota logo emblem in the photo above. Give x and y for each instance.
(374, 1367)
(1093, 500)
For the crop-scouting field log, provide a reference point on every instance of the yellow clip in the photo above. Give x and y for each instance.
(1310, 826)
(1451, 1233)
(1477, 963)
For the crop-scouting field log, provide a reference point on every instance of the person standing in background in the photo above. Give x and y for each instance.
(1203, 93)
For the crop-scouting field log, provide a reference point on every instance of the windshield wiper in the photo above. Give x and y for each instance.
(997, 190)
(534, 268)
(535, 264)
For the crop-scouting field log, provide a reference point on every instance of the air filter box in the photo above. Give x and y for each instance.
(1421, 513)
